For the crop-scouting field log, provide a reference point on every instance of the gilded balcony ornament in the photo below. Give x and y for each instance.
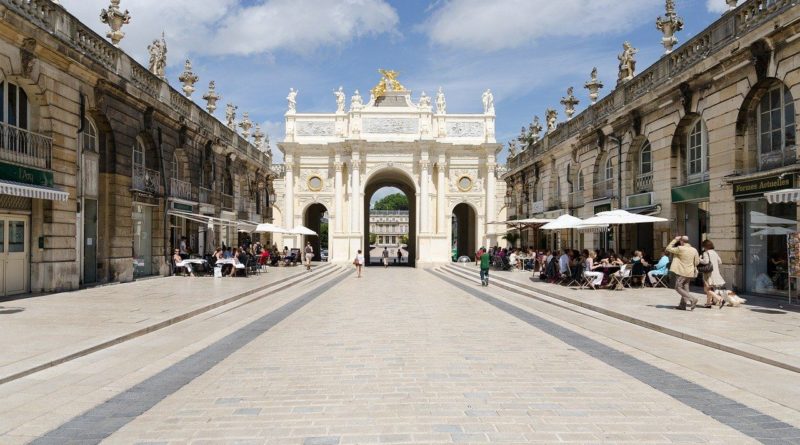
(669, 25)
(569, 101)
(594, 85)
(230, 116)
(115, 18)
(211, 97)
(246, 124)
(188, 79)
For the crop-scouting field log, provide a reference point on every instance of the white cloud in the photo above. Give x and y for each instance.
(224, 27)
(502, 24)
(717, 6)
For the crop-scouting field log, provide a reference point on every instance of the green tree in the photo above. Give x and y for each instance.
(512, 238)
(404, 239)
(373, 238)
(323, 235)
(397, 201)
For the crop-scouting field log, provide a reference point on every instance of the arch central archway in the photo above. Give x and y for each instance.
(392, 177)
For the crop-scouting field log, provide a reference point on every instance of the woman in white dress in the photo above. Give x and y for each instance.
(589, 270)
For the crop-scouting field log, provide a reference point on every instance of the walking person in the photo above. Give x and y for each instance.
(485, 260)
(710, 266)
(359, 263)
(309, 255)
(684, 266)
(399, 255)
(385, 258)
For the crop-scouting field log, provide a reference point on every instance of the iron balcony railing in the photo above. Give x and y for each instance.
(205, 195)
(604, 189)
(23, 147)
(778, 158)
(146, 180)
(180, 189)
(644, 183)
(227, 202)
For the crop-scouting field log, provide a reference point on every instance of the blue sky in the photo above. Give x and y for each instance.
(527, 51)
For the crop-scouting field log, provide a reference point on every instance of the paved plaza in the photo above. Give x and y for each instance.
(333, 359)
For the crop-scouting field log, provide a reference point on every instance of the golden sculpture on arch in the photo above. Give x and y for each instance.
(388, 82)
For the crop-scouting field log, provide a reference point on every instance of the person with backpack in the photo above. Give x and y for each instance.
(486, 261)
(309, 255)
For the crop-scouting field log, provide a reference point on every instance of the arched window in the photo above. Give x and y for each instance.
(174, 167)
(89, 136)
(138, 155)
(645, 160)
(608, 172)
(14, 106)
(697, 151)
(776, 126)
(581, 185)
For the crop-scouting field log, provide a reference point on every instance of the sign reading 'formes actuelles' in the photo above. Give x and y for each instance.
(763, 185)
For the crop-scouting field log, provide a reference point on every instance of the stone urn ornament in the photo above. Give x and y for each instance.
(669, 25)
(594, 85)
(535, 128)
(246, 124)
(569, 101)
(115, 18)
(211, 97)
(188, 79)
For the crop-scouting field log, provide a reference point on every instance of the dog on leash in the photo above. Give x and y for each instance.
(729, 297)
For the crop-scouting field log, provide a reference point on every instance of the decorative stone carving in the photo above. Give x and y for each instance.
(356, 102)
(552, 118)
(115, 18)
(424, 102)
(464, 129)
(731, 4)
(246, 124)
(488, 102)
(27, 55)
(158, 57)
(388, 82)
(211, 97)
(457, 183)
(258, 138)
(569, 101)
(188, 79)
(340, 98)
(230, 116)
(315, 128)
(375, 125)
(535, 128)
(627, 62)
(512, 148)
(594, 85)
(441, 103)
(292, 101)
(669, 25)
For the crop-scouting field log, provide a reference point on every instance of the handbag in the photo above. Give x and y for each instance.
(706, 268)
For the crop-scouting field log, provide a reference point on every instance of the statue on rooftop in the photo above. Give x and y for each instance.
(158, 57)
(425, 101)
(356, 102)
(340, 98)
(441, 103)
(627, 62)
(230, 116)
(552, 118)
(488, 102)
(292, 99)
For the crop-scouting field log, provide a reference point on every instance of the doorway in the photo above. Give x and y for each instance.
(390, 218)
(89, 241)
(142, 240)
(316, 219)
(464, 231)
(14, 253)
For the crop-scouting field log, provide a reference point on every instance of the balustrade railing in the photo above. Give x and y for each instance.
(205, 195)
(227, 202)
(146, 180)
(25, 147)
(180, 189)
(604, 189)
(644, 183)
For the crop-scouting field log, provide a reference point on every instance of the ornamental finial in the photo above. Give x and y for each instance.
(669, 25)
(188, 79)
(115, 18)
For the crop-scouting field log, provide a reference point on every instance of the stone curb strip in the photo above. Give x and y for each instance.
(281, 285)
(531, 292)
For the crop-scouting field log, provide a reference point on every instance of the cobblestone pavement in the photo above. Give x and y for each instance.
(407, 356)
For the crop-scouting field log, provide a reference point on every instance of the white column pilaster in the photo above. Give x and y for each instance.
(355, 171)
(491, 191)
(441, 167)
(339, 191)
(424, 201)
(289, 206)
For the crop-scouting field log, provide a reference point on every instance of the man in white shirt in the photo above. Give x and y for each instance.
(512, 260)
(563, 263)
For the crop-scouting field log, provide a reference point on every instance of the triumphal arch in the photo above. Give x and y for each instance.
(445, 163)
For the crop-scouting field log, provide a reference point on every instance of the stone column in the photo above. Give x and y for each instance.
(355, 192)
(491, 191)
(289, 207)
(339, 191)
(441, 166)
(424, 200)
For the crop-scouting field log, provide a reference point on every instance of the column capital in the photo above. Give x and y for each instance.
(442, 165)
(424, 164)
(356, 164)
(338, 165)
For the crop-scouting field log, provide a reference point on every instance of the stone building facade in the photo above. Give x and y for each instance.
(389, 226)
(104, 167)
(698, 138)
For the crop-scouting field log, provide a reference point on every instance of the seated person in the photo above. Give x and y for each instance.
(264, 257)
(236, 262)
(660, 269)
(512, 260)
(590, 272)
(179, 264)
(563, 263)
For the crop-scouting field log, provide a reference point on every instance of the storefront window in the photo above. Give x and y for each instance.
(765, 229)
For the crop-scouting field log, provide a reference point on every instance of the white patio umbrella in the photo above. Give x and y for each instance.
(269, 228)
(766, 231)
(617, 217)
(565, 222)
(303, 230)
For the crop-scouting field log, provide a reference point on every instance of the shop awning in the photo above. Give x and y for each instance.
(783, 196)
(203, 219)
(32, 191)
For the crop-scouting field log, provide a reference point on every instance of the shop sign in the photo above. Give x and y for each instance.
(25, 175)
(182, 207)
(602, 208)
(692, 192)
(639, 200)
(760, 186)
